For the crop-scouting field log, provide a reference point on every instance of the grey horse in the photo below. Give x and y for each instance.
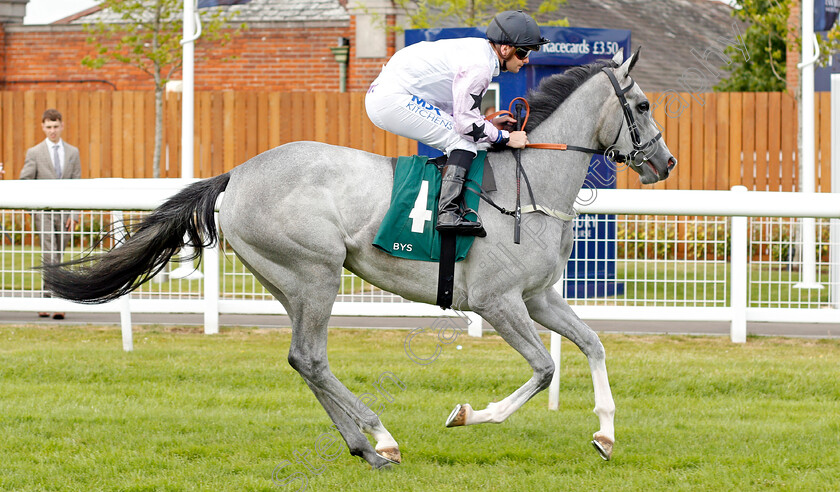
(300, 213)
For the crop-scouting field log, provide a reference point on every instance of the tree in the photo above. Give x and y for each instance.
(768, 39)
(425, 14)
(148, 37)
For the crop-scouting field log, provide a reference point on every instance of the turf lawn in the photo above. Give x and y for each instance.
(186, 411)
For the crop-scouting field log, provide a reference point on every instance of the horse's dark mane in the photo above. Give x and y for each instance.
(553, 90)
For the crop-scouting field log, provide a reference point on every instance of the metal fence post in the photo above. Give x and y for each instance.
(738, 285)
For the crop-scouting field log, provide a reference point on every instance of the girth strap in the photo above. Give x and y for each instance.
(446, 270)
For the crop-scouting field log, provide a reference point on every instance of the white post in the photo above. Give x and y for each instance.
(125, 323)
(188, 94)
(475, 326)
(739, 283)
(211, 289)
(554, 388)
(834, 231)
(186, 270)
(807, 182)
(123, 302)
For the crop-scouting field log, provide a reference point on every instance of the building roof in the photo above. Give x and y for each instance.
(667, 30)
(255, 11)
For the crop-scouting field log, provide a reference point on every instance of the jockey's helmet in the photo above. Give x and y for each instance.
(515, 28)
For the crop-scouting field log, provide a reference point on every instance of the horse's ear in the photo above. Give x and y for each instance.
(623, 70)
(618, 59)
(634, 58)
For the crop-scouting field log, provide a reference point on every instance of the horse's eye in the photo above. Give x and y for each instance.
(643, 107)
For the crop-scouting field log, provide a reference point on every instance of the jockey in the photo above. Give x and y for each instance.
(432, 91)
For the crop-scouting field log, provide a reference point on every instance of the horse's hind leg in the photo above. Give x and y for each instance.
(309, 305)
(308, 356)
(553, 312)
(510, 319)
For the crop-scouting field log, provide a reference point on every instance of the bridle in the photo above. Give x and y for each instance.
(610, 152)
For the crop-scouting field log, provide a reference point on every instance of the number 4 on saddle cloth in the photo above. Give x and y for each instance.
(408, 228)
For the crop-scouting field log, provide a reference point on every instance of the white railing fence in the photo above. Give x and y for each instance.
(640, 255)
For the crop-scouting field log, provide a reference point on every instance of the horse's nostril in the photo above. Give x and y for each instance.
(672, 163)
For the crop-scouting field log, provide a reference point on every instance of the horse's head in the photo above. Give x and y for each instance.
(626, 125)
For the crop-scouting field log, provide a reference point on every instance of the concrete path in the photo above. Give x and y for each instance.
(809, 330)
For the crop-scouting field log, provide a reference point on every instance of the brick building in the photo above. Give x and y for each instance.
(286, 47)
(287, 44)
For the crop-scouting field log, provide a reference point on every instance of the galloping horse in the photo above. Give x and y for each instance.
(298, 214)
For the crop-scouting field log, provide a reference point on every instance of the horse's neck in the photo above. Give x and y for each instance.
(557, 176)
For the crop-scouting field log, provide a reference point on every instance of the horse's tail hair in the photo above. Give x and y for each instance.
(145, 251)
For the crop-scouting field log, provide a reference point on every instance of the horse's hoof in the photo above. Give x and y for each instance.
(603, 445)
(390, 454)
(385, 465)
(459, 416)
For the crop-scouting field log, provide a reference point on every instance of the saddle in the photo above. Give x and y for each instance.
(408, 228)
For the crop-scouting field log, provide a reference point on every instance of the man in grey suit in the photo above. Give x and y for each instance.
(53, 159)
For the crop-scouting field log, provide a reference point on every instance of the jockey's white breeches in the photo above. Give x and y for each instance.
(395, 110)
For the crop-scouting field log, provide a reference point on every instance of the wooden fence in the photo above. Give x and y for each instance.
(720, 139)
(115, 130)
(747, 138)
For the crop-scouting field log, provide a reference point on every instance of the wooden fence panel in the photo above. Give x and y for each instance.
(748, 140)
(720, 139)
(790, 125)
(722, 132)
(227, 143)
(709, 141)
(683, 174)
(733, 163)
(773, 140)
(823, 173)
(761, 108)
(698, 149)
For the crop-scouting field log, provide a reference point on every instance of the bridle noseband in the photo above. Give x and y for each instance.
(610, 152)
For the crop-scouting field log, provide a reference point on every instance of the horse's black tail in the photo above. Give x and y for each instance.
(102, 278)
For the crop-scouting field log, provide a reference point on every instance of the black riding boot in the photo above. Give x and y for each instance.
(450, 216)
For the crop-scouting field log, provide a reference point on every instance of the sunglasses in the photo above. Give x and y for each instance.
(522, 53)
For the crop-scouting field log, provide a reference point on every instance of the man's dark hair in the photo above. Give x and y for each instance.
(51, 115)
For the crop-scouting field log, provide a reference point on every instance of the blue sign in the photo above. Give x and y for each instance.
(825, 14)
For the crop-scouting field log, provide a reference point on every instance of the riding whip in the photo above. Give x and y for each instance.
(517, 217)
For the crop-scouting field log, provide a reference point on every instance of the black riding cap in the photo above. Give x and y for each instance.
(515, 28)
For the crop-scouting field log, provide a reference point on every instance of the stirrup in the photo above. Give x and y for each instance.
(464, 227)
(479, 230)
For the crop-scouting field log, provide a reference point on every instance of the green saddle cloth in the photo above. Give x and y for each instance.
(408, 229)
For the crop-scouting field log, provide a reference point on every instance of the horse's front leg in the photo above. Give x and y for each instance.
(552, 311)
(510, 319)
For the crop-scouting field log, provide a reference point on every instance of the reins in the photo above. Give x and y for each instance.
(609, 153)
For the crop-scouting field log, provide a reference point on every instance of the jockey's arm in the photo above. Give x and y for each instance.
(467, 90)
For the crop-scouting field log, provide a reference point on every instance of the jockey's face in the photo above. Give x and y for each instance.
(508, 55)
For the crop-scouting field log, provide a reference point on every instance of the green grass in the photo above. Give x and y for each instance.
(186, 411)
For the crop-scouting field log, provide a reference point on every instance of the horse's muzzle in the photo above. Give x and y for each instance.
(672, 163)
